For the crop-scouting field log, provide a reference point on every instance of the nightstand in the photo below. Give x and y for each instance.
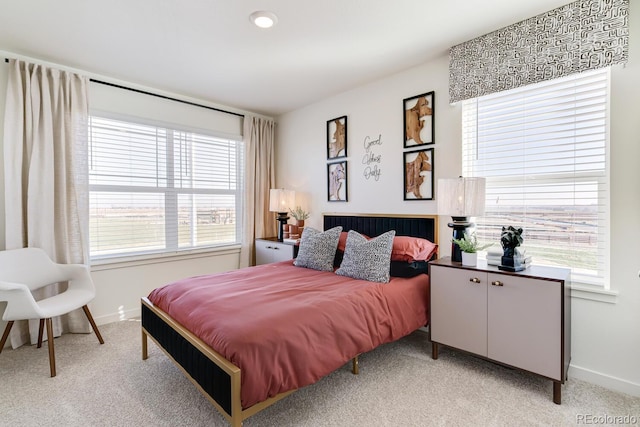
(269, 250)
(522, 320)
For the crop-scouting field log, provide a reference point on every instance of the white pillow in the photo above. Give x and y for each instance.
(318, 248)
(367, 259)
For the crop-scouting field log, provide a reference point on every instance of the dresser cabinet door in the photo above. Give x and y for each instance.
(281, 252)
(268, 251)
(459, 308)
(524, 323)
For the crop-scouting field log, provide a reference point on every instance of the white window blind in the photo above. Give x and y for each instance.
(158, 189)
(543, 150)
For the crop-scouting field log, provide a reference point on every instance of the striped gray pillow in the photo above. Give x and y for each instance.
(318, 248)
(367, 259)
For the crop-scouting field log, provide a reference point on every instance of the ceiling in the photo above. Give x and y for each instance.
(209, 50)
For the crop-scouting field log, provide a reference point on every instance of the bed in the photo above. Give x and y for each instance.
(256, 360)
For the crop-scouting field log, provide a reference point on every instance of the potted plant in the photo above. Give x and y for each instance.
(469, 246)
(300, 215)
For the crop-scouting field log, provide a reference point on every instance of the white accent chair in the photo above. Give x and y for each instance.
(28, 269)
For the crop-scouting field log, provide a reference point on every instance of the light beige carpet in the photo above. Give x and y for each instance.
(399, 385)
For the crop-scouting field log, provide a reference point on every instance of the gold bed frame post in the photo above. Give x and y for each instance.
(145, 352)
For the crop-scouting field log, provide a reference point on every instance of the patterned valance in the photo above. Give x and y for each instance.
(579, 36)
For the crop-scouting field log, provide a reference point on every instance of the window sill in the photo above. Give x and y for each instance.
(594, 293)
(132, 261)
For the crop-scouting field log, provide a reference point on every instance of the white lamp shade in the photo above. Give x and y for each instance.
(461, 196)
(280, 200)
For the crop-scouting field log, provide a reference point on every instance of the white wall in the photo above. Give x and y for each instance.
(372, 111)
(605, 336)
(120, 287)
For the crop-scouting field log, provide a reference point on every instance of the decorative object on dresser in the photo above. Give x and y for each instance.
(510, 239)
(494, 256)
(469, 246)
(521, 320)
(294, 231)
(280, 201)
(419, 113)
(462, 198)
(299, 215)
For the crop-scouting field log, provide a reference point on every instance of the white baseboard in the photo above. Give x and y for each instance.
(607, 381)
(117, 317)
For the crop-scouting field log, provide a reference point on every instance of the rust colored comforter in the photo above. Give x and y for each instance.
(286, 327)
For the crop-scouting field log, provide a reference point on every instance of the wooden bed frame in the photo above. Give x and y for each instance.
(217, 378)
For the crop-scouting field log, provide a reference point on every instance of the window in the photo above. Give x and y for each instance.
(543, 150)
(157, 189)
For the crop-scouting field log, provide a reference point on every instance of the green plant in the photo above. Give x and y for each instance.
(469, 243)
(299, 213)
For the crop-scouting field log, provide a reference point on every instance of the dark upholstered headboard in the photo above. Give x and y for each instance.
(425, 226)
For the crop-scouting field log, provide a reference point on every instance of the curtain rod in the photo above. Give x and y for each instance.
(166, 97)
(160, 96)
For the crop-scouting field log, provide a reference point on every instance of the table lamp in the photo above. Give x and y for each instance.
(280, 200)
(461, 198)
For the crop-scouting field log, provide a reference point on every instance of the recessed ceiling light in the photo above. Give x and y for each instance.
(263, 19)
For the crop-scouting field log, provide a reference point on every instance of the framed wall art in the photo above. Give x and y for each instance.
(418, 174)
(337, 138)
(337, 182)
(419, 112)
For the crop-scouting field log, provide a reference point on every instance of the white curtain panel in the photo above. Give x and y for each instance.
(46, 175)
(257, 221)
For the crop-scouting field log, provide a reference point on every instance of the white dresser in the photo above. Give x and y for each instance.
(521, 319)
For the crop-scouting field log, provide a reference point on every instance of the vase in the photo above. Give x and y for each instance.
(469, 259)
(300, 222)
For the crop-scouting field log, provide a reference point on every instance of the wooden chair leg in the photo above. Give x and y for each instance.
(93, 324)
(5, 335)
(40, 328)
(52, 356)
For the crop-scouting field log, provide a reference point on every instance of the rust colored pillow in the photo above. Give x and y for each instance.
(406, 248)
(342, 242)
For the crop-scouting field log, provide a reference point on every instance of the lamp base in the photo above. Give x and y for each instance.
(460, 225)
(282, 218)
